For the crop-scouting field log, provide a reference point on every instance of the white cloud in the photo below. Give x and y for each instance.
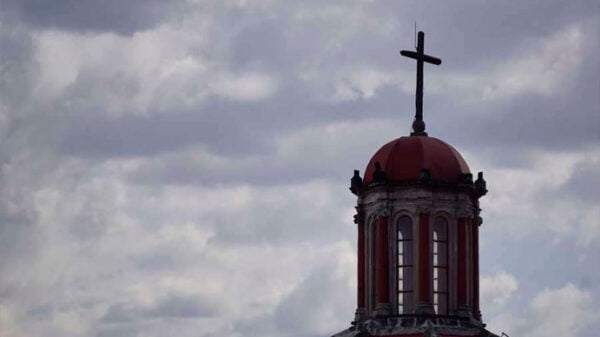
(315, 151)
(552, 312)
(326, 292)
(246, 87)
(8, 321)
(563, 311)
(339, 141)
(542, 68)
(58, 66)
(526, 199)
(129, 74)
(329, 70)
(120, 256)
(496, 290)
(590, 231)
(160, 70)
(340, 22)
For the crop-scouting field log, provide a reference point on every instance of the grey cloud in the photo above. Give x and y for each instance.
(15, 64)
(174, 306)
(471, 33)
(103, 136)
(306, 308)
(118, 331)
(266, 219)
(568, 120)
(184, 307)
(41, 312)
(260, 44)
(123, 17)
(121, 188)
(528, 121)
(236, 128)
(584, 182)
(118, 313)
(156, 261)
(224, 127)
(536, 257)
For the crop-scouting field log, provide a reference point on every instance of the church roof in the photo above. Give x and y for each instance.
(404, 158)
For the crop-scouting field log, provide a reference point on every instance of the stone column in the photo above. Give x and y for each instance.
(475, 275)
(463, 308)
(361, 310)
(382, 267)
(424, 267)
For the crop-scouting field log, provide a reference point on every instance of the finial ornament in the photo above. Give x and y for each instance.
(420, 56)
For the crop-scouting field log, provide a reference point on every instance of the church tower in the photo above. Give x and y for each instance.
(417, 219)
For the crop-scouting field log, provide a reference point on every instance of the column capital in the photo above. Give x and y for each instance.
(383, 211)
(424, 209)
(464, 212)
(360, 315)
(359, 217)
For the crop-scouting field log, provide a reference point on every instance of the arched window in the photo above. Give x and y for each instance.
(405, 265)
(440, 266)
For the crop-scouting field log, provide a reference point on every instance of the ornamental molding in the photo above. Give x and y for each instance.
(464, 213)
(410, 212)
(465, 210)
(416, 201)
(417, 196)
(424, 209)
(443, 212)
(383, 210)
(373, 198)
(389, 326)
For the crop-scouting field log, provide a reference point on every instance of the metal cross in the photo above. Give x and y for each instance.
(420, 56)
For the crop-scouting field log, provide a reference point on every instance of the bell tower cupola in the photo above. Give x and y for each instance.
(418, 220)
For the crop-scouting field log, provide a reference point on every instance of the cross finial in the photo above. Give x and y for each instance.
(420, 56)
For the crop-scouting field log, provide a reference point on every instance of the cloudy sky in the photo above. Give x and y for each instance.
(181, 168)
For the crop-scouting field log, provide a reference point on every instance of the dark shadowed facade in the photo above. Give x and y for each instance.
(418, 227)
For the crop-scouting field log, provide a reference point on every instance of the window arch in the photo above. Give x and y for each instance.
(405, 265)
(440, 266)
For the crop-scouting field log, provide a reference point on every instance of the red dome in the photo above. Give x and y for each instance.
(403, 159)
